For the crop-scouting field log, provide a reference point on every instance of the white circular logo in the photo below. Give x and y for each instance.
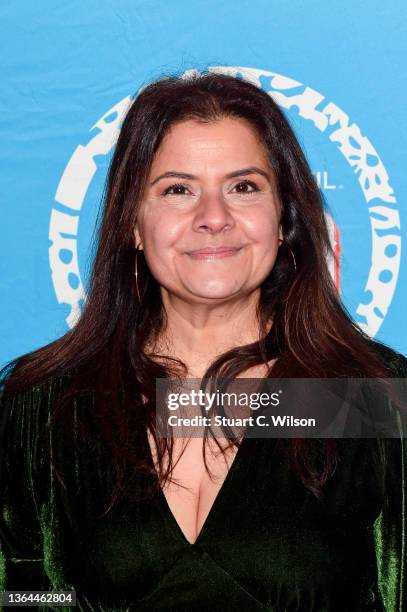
(325, 116)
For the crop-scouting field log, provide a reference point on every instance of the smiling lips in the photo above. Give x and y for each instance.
(210, 253)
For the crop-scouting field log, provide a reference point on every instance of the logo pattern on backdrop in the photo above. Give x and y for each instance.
(327, 117)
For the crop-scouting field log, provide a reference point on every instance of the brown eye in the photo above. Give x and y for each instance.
(177, 190)
(243, 186)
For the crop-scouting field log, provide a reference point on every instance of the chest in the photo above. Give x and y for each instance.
(192, 491)
(262, 536)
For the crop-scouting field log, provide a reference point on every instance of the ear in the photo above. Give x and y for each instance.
(137, 239)
(280, 234)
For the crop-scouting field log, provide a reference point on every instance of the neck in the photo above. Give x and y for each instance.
(198, 333)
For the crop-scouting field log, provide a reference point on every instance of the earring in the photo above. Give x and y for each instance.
(293, 258)
(291, 253)
(136, 274)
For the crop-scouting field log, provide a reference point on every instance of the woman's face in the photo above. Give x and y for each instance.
(209, 220)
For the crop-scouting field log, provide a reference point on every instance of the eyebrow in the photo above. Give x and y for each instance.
(184, 175)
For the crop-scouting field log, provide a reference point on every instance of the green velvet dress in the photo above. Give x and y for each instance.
(267, 544)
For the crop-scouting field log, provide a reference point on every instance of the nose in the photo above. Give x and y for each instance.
(212, 214)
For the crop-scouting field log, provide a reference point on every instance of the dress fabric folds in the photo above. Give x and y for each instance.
(268, 543)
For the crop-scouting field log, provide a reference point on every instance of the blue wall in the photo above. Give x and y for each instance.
(68, 70)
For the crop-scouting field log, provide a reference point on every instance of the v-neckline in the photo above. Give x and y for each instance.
(169, 515)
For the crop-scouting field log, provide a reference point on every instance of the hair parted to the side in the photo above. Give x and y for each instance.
(311, 331)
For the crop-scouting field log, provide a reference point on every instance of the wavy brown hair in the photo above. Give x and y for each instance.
(104, 355)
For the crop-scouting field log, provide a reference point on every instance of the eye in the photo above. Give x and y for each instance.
(246, 184)
(178, 187)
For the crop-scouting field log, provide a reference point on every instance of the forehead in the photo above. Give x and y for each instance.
(224, 140)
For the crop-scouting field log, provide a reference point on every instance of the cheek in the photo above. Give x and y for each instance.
(263, 230)
(160, 231)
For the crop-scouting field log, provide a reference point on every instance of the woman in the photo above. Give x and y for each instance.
(211, 262)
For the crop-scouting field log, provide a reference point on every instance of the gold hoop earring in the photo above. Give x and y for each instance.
(291, 253)
(293, 258)
(136, 273)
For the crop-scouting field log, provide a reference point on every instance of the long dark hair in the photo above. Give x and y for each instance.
(104, 354)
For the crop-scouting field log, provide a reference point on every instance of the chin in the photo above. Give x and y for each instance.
(214, 290)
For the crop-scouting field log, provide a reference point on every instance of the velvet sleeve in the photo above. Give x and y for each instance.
(21, 537)
(390, 529)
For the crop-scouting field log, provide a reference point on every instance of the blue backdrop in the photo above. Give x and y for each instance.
(69, 70)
